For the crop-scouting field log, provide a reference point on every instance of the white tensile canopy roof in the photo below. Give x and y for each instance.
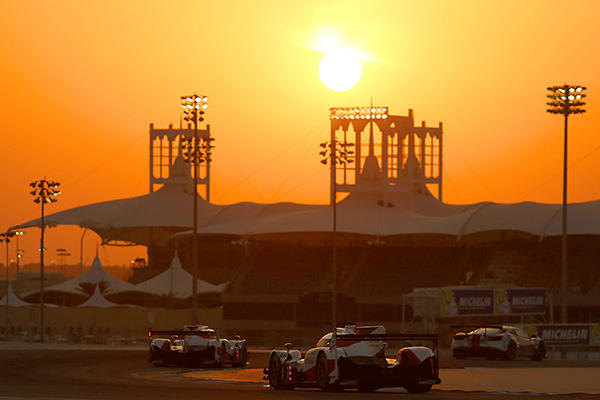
(94, 276)
(177, 282)
(368, 214)
(142, 219)
(373, 209)
(98, 301)
(13, 299)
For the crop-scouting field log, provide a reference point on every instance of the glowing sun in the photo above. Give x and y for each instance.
(340, 70)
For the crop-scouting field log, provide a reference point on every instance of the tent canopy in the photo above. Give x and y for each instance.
(177, 282)
(84, 284)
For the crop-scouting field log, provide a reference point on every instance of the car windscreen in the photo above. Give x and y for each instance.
(486, 331)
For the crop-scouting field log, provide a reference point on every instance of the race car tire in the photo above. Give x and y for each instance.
(221, 362)
(416, 388)
(275, 373)
(511, 353)
(323, 373)
(540, 352)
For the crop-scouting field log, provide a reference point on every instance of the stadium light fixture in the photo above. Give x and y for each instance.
(365, 113)
(45, 192)
(565, 100)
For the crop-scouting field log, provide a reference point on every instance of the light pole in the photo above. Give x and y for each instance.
(44, 191)
(340, 157)
(195, 152)
(565, 100)
(19, 251)
(336, 153)
(5, 237)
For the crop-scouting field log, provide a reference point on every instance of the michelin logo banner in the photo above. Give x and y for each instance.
(567, 334)
(518, 301)
(467, 302)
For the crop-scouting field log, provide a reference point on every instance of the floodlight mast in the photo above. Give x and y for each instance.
(195, 153)
(5, 237)
(19, 250)
(44, 191)
(565, 100)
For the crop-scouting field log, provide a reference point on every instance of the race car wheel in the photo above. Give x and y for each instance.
(416, 388)
(511, 352)
(275, 372)
(221, 362)
(323, 373)
(540, 352)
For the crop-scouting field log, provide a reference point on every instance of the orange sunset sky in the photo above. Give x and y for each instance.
(82, 81)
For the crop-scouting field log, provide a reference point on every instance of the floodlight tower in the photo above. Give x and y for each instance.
(565, 100)
(5, 237)
(337, 154)
(195, 152)
(19, 250)
(44, 191)
(401, 159)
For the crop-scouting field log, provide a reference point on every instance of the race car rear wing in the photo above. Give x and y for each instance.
(178, 333)
(389, 337)
(475, 326)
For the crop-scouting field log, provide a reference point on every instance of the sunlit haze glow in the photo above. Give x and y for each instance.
(82, 81)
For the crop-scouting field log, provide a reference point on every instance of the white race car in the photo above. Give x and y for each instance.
(355, 357)
(507, 342)
(196, 344)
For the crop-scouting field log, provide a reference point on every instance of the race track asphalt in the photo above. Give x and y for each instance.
(65, 373)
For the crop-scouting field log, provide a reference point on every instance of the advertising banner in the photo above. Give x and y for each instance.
(567, 334)
(457, 302)
(520, 301)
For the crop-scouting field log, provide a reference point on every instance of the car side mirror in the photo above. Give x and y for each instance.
(288, 346)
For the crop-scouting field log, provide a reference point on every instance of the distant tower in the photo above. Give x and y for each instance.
(165, 147)
(391, 154)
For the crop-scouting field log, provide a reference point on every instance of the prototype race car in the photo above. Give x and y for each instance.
(354, 357)
(491, 342)
(196, 344)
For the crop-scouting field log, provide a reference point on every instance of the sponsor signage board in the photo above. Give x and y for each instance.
(520, 301)
(567, 334)
(482, 302)
(467, 302)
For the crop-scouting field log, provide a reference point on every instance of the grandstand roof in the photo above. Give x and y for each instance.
(374, 209)
(141, 219)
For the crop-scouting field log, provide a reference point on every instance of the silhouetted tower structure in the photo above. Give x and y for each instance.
(391, 154)
(166, 145)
